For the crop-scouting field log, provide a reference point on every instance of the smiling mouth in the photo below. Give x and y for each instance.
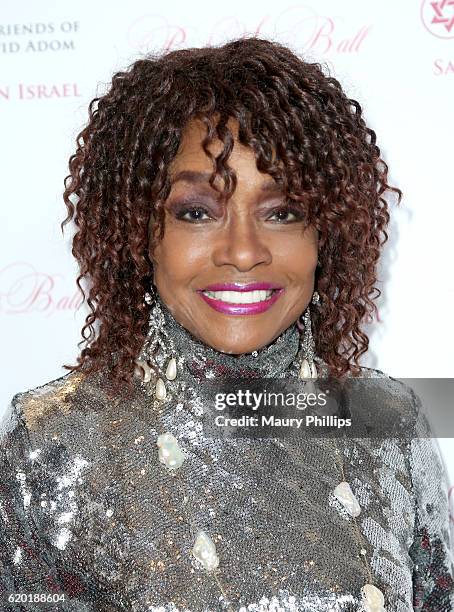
(241, 297)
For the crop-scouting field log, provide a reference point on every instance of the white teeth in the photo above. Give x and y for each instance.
(240, 297)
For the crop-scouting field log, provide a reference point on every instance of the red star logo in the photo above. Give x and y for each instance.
(440, 16)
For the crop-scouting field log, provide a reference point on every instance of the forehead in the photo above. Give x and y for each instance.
(192, 157)
(193, 135)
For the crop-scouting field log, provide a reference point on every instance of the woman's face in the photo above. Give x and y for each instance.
(249, 240)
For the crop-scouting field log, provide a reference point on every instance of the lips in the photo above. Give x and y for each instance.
(261, 286)
(223, 297)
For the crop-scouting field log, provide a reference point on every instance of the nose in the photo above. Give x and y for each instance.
(241, 244)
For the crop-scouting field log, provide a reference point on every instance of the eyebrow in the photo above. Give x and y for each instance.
(192, 176)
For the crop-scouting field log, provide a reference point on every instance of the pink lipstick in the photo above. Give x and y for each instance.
(242, 308)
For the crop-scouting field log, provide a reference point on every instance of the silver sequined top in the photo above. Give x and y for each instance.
(91, 520)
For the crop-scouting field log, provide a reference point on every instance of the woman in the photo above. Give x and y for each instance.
(230, 212)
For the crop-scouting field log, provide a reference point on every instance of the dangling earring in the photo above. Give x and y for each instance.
(308, 368)
(156, 336)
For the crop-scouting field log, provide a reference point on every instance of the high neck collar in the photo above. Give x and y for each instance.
(273, 360)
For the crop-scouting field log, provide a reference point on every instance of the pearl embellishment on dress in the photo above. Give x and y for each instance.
(170, 453)
(345, 495)
(373, 599)
(204, 551)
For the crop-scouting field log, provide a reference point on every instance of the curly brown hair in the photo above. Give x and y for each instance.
(304, 131)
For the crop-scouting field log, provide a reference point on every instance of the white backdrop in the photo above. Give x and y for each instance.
(395, 58)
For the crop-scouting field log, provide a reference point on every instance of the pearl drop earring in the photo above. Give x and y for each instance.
(308, 369)
(156, 336)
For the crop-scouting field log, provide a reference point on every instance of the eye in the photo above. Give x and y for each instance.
(195, 214)
(287, 215)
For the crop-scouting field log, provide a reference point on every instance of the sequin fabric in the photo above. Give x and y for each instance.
(90, 517)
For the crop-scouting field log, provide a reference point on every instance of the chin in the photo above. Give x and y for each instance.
(235, 350)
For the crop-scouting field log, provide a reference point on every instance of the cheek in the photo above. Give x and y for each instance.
(180, 255)
(297, 254)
